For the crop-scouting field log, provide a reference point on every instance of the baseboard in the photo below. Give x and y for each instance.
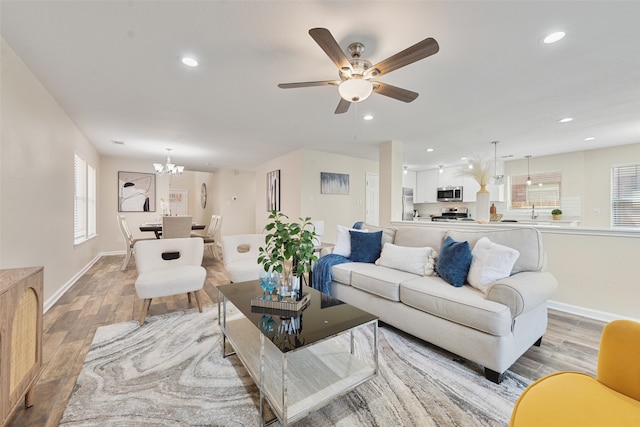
(587, 312)
(56, 296)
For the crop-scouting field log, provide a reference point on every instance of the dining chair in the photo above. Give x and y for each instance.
(128, 239)
(212, 237)
(169, 267)
(175, 227)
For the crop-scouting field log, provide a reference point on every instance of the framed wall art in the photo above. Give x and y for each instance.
(334, 183)
(273, 190)
(136, 192)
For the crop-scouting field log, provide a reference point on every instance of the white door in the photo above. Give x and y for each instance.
(372, 199)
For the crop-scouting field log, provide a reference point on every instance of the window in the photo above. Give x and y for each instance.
(544, 191)
(625, 196)
(84, 212)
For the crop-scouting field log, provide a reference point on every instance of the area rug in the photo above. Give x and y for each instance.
(171, 372)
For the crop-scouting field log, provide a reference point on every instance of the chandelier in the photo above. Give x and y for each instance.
(169, 168)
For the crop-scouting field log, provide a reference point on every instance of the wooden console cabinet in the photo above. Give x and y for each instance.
(21, 293)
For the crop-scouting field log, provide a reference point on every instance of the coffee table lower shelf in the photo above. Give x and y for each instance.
(296, 383)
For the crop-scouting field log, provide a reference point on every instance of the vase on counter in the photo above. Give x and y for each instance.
(482, 205)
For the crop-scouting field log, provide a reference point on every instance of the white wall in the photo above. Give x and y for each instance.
(38, 142)
(300, 189)
(234, 197)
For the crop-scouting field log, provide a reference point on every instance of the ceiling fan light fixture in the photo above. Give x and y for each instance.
(355, 90)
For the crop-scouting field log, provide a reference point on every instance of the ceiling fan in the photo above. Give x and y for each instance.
(356, 74)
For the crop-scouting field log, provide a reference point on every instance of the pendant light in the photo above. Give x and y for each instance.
(528, 171)
(169, 168)
(497, 179)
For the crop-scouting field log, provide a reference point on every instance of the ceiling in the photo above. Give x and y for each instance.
(113, 67)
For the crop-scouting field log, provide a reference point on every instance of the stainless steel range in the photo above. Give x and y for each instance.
(453, 215)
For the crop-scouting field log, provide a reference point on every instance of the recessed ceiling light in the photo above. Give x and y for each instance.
(429, 150)
(189, 62)
(566, 120)
(590, 138)
(368, 117)
(554, 37)
(463, 158)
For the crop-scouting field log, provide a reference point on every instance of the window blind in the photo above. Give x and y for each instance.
(91, 201)
(80, 199)
(625, 196)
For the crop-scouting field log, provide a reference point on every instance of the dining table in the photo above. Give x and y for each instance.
(156, 227)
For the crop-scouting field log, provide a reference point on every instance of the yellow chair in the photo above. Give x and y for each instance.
(577, 399)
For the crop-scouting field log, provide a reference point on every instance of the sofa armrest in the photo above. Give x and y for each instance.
(523, 291)
(326, 251)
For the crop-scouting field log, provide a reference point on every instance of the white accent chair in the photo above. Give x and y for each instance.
(240, 256)
(212, 238)
(128, 239)
(169, 267)
(175, 227)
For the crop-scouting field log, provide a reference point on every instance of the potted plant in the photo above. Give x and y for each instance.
(556, 214)
(289, 247)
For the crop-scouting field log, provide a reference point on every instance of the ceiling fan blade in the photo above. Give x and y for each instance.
(328, 43)
(400, 94)
(418, 51)
(308, 84)
(343, 106)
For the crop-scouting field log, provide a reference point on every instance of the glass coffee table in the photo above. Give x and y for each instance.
(302, 360)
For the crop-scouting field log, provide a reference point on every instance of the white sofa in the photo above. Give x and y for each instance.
(492, 329)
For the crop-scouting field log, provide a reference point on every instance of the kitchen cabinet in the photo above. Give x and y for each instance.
(426, 186)
(497, 192)
(469, 189)
(450, 177)
(409, 181)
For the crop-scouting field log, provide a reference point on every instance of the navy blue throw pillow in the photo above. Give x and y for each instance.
(454, 261)
(365, 247)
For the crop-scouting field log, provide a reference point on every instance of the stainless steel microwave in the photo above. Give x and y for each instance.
(450, 194)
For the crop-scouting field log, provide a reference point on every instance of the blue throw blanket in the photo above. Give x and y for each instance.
(322, 271)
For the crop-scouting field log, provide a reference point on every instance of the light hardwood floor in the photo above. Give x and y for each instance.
(105, 295)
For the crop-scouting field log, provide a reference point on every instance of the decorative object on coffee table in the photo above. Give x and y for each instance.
(289, 248)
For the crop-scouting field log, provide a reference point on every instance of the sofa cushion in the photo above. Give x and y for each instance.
(343, 240)
(454, 261)
(341, 273)
(527, 241)
(465, 305)
(381, 281)
(419, 236)
(388, 233)
(490, 262)
(419, 260)
(365, 247)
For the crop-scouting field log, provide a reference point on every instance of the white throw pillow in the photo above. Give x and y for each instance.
(343, 241)
(419, 260)
(490, 262)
